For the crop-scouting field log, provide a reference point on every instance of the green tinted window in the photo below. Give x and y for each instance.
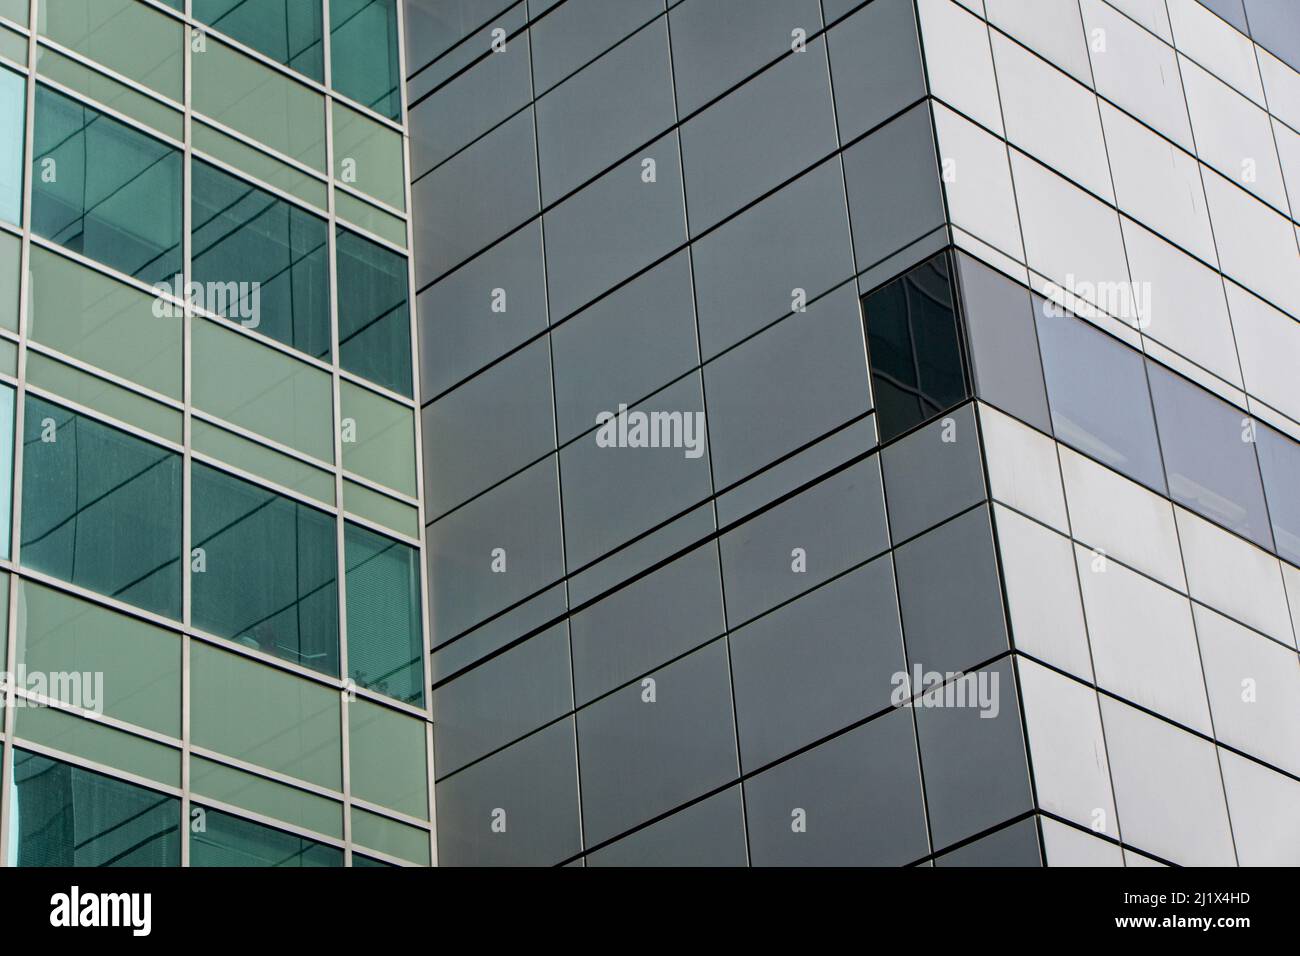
(140, 663)
(280, 397)
(104, 396)
(108, 324)
(288, 31)
(260, 102)
(61, 815)
(381, 509)
(6, 465)
(267, 575)
(250, 456)
(98, 742)
(368, 155)
(261, 261)
(15, 10)
(125, 36)
(13, 108)
(388, 762)
(259, 164)
(105, 190)
(378, 438)
(264, 716)
(385, 647)
(390, 836)
(10, 263)
(218, 781)
(219, 839)
(374, 320)
(101, 508)
(104, 89)
(363, 53)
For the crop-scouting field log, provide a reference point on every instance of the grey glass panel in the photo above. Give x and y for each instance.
(708, 833)
(770, 129)
(596, 117)
(385, 642)
(746, 272)
(816, 665)
(646, 623)
(521, 517)
(950, 594)
(363, 53)
(269, 572)
(853, 801)
(625, 346)
(1230, 10)
(477, 88)
(243, 239)
(663, 481)
(101, 508)
(650, 747)
(486, 429)
(918, 367)
(719, 43)
(502, 699)
(452, 222)
(225, 840)
(1098, 392)
(1279, 461)
(1209, 461)
(579, 30)
(374, 312)
(531, 787)
(893, 183)
(837, 523)
(1275, 25)
(614, 227)
(288, 31)
(61, 815)
(975, 770)
(875, 65)
(933, 473)
(123, 209)
(459, 331)
(1004, 345)
(1016, 845)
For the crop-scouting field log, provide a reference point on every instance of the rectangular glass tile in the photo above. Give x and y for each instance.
(378, 438)
(374, 313)
(104, 396)
(276, 466)
(258, 164)
(125, 36)
(288, 31)
(217, 781)
(385, 643)
(104, 89)
(368, 155)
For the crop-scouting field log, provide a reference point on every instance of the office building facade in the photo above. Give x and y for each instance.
(214, 631)
(860, 433)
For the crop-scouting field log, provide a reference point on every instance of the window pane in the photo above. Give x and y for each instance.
(276, 252)
(1209, 460)
(1097, 389)
(101, 508)
(10, 251)
(62, 815)
(363, 53)
(6, 466)
(269, 570)
(267, 797)
(374, 324)
(141, 663)
(219, 839)
(110, 325)
(13, 109)
(288, 31)
(1279, 460)
(368, 155)
(385, 650)
(123, 35)
(122, 209)
(917, 369)
(265, 716)
(384, 433)
(387, 755)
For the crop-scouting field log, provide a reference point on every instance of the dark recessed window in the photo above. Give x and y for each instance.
(918, 368)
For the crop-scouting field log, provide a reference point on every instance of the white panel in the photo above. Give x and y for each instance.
(1263, 807)
(1143, 642)
(1023, 470)
(1051, 116)
(1042, 593)
(959, 62)
(1268, 342)
(1150, 13)
(1051, 28)
(1066, 846)
(1224, 51)
(1067, 748)
(1254, 687)
(1119, 516)
(1167, 788)
(1234, 576)
(1256, 245)
(1282, 84)
(978, 181)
